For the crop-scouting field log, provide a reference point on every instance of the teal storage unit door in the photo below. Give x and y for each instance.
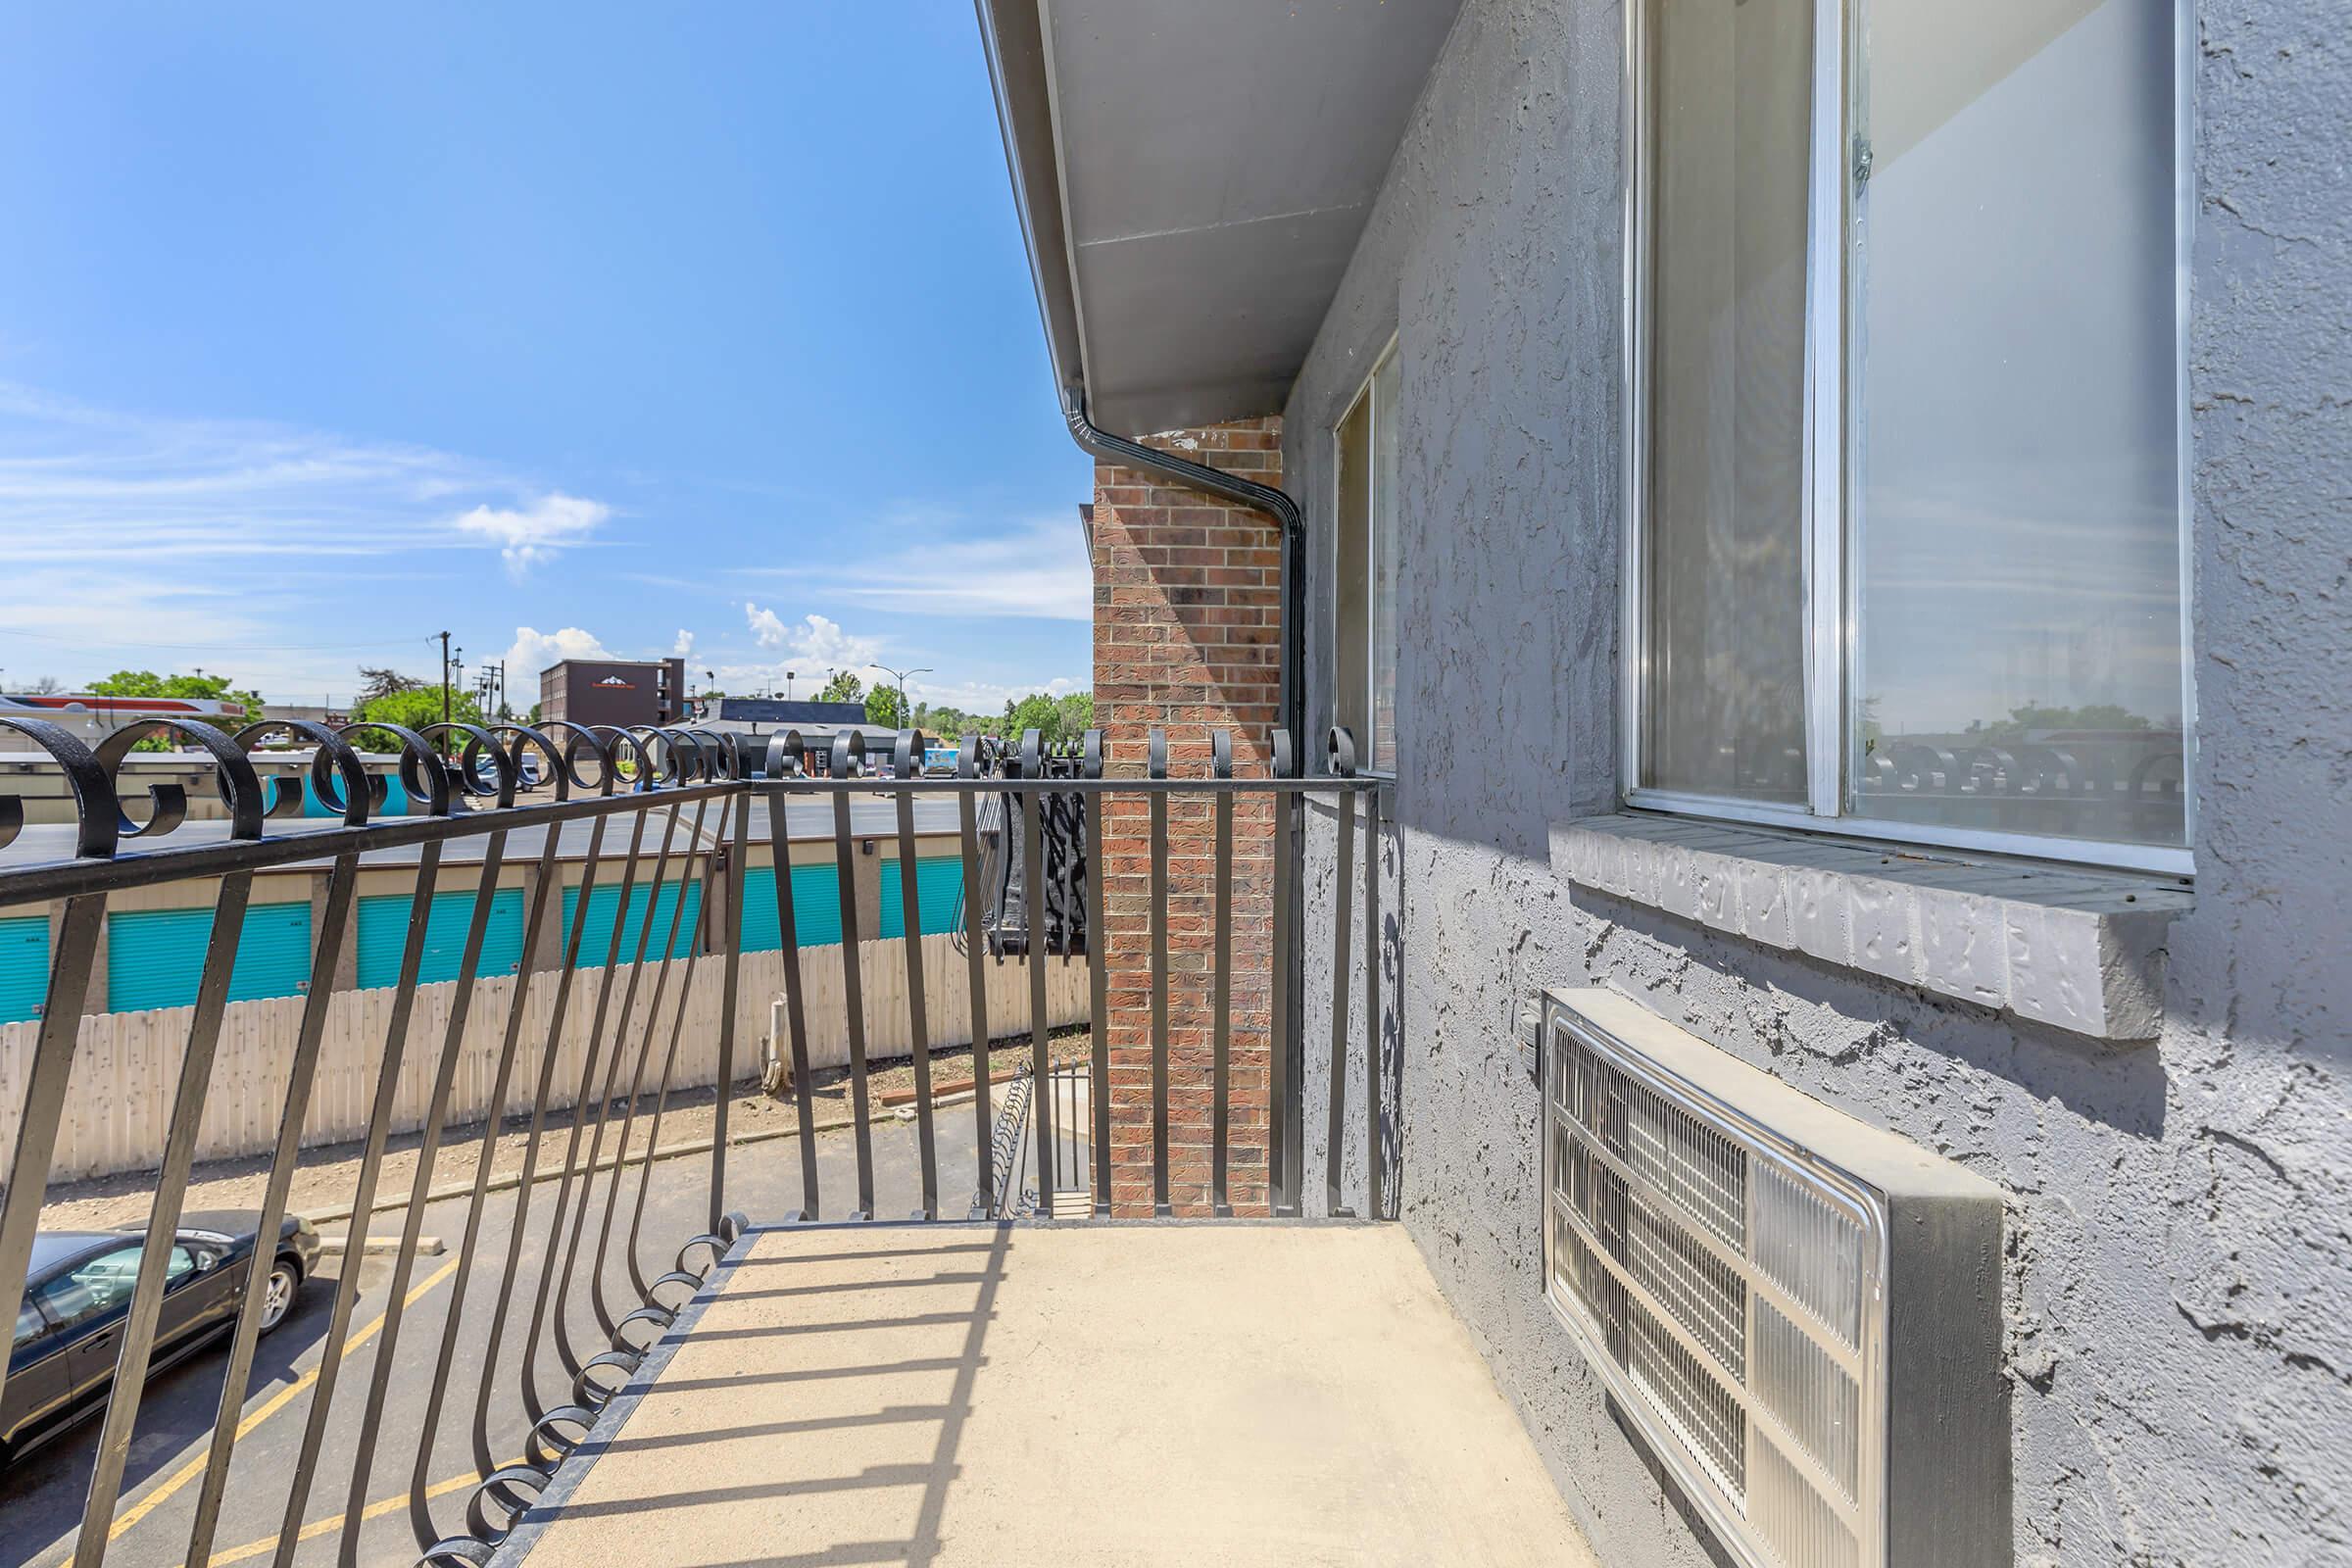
(938, 879)
(383, 937)
(815, 908)
(597, 944)
(155, 957)
(25, 966)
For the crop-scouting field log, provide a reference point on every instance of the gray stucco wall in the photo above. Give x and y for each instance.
(2179, 1292)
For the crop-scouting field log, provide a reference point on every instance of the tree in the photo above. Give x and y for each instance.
(48, 686)
(882, 707)
(844, 687)
(1035, 711)
(413, 709)
(1077, 710)
(192, 688)
(375, 683)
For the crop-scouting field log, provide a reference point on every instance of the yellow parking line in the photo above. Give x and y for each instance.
(320, 1527)
(277, 1402)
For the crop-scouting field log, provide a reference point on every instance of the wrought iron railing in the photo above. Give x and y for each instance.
(578, 1276)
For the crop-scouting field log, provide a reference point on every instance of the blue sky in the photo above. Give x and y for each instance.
(563, 326)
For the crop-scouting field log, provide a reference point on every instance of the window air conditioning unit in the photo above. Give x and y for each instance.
(1802, 1312)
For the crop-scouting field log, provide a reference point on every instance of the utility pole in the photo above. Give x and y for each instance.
(445, 678)
(788, 685)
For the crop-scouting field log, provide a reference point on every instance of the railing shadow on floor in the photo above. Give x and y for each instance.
(638, 864)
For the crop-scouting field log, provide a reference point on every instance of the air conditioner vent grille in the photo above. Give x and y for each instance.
(1809, 1392)
(1798, 1527)
(1727, 1287)
(1810, 1246)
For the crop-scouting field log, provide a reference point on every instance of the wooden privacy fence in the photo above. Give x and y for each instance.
(125, 1065)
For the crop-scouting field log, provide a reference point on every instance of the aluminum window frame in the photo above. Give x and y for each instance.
(1362, 397)
(1830, 608)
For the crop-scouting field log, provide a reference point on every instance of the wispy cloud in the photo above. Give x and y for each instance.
(814, 640)
(82, 485)
(531, 534)
(1035, 570)
(534, 649)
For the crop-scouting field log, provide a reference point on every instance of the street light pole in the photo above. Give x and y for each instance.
(906, 715)
(445, 678)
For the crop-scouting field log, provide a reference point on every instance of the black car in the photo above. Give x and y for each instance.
(61, 1365)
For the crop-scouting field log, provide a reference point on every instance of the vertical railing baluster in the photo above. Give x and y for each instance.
(1282, 1099)
(909, 762)
(606, 1318)
(363, 1204)
(43, 1105)
(420, 1516)
(591, 1053)
(689, 879)
(404, 1262)
(1098, 960)
(1221, 986)
(1033, 916)
(975, 959)
(303, 1073)
(796, 1006)
(552, 1305)
(730, 993)
(163, 1223)
(849, 749)
(1156, 765)
(670, 1059)
(1373, 1162)
(1342, 961)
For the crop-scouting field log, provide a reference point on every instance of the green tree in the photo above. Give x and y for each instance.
(1035, 711)
(1077, 710)
(194, 688)
(844, 687)
(376, 681)
(413, 709)
(882, 707)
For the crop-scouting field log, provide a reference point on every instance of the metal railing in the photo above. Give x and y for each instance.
(579, 1275)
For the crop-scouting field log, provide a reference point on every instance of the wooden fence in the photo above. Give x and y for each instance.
(125, 1063)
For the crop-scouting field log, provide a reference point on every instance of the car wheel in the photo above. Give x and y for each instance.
(277, 1293)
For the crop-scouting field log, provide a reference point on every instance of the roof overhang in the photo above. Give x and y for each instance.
(1192, 181)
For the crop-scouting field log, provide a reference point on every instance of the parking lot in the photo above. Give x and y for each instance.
(41, 1494)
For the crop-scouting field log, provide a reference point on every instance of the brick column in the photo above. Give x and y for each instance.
(1188, 619)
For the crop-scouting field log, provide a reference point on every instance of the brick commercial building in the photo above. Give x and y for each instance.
(613, 691)
(1188, 613)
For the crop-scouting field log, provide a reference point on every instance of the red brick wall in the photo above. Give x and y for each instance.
(1188, 622)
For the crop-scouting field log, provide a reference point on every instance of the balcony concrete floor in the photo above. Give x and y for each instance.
(1226, 1393)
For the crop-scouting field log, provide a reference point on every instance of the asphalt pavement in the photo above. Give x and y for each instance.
(41, 1496)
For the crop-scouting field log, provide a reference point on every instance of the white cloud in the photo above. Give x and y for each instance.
(683, 648)
(535, 650)
(532, 535)
(1036, 570)
(814, 642)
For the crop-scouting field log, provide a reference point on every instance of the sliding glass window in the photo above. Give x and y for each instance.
(1907, 522)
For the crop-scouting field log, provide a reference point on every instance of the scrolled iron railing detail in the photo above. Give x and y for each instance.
(577, 1294)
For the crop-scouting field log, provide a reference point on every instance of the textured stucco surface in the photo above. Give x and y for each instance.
(2179, 1292)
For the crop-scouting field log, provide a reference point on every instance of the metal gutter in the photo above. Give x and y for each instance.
(1019, 68)
(1276, 504)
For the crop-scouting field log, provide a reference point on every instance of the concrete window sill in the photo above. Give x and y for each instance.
(2080, 950)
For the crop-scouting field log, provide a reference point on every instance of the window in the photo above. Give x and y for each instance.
(1364, 647)
(1906, 468)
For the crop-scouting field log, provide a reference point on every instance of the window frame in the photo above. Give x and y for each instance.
(1830, 608)
(1371, 693)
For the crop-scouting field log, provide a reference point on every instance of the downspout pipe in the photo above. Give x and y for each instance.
(1275, 504)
